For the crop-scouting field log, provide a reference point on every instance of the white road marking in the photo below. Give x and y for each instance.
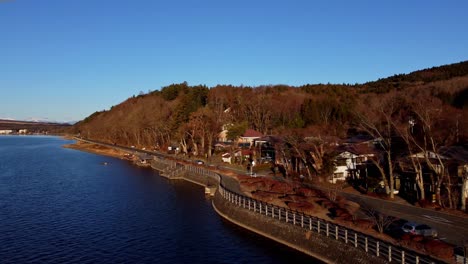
(437, 219)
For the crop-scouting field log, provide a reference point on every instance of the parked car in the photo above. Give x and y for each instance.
(200, 162)
(419, 229)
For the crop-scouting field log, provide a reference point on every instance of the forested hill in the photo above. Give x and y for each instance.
(434, 74)
(192, 116)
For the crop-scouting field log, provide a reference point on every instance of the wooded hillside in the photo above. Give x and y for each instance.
(181, 112)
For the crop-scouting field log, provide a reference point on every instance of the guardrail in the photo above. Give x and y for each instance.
(369, 244)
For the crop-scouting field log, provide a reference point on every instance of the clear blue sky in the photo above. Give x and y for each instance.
(64, 60)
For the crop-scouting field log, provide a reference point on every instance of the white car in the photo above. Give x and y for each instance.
(419, 229)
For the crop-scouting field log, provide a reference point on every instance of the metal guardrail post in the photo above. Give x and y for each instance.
(328, 230)
(377, 248)
(336, 232)
(366, 245)
(346, 236)
(402, 257)
(389, 253)
(355, 239)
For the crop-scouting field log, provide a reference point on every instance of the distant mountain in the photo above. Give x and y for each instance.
(33, 126)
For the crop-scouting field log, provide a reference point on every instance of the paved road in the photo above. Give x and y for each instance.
(451, 228)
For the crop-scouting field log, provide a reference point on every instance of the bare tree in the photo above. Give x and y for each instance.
(428, 111)
(381, 221)
(376, 119)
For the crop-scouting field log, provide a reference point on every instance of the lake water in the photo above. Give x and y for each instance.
(60, 205)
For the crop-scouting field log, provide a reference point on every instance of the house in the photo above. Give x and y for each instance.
(221, 146)
(22, 131)
(249, 136)
(6, 131)
(458, 167)
(226, 157)
(266, 147)
(350, 162)
(222, 136)
(242, 154)
(453, 159)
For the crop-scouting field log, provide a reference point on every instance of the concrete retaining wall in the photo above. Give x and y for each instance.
(319, 247)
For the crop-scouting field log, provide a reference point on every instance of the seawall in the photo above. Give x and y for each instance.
(317, 246)
(320, 248)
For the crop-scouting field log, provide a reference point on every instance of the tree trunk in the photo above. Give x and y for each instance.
(464, 191)
(390, 175)
(420, 184)
(448, 187)
(202, 144)
(183, 144)
(210, 143)
(382, 173)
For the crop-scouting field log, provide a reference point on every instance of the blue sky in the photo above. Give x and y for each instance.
(64, 60)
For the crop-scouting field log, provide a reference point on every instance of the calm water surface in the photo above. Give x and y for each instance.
(60, 205)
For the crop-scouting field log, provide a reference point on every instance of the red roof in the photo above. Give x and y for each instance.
(246, 152)
(252, 133)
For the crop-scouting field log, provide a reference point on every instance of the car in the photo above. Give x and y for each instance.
(200, 162)
(419, 229)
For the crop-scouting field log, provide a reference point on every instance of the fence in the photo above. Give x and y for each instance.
(370, 245)
(204, 176)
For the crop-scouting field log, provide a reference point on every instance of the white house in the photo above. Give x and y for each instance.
(6, 131)
(347, 164)
(226, 157)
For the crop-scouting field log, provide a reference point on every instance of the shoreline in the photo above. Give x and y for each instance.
(96, 149)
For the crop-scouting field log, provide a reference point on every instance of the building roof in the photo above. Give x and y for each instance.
(271, 139)
(458, 153)
(357, 139)
(252, 133)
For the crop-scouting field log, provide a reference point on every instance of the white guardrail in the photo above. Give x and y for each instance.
(369, 244)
